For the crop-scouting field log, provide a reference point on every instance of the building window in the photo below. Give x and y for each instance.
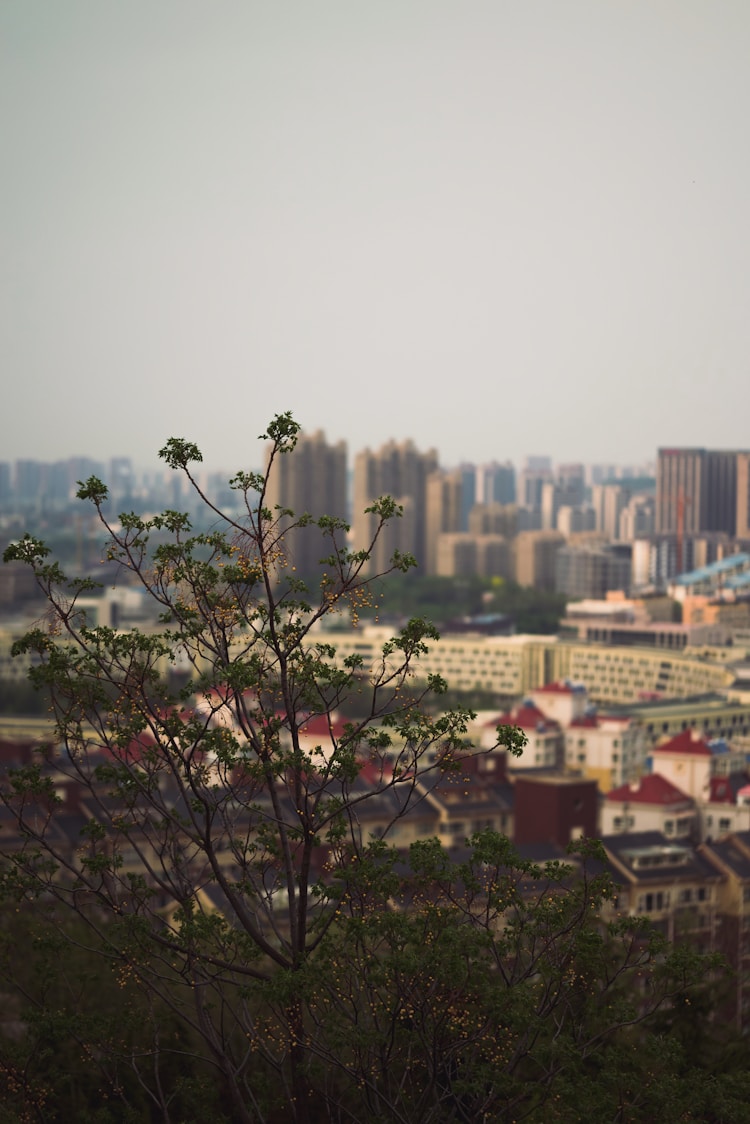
(648, 903)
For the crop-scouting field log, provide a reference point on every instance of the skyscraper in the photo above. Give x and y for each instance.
(743, 495)
(309, 480)
(696, 490)
(400, 471)
(444, 509)
(496, 483)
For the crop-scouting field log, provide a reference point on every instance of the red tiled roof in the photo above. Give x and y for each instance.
(587, 720)
(652, 789)
(689, 741)
(528, 717)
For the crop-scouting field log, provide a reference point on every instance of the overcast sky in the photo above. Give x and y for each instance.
(496, 227)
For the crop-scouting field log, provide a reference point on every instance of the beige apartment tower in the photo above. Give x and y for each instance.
(444, 508)
(743, 495)
(534, 557)
(400, 471)
(309, 480)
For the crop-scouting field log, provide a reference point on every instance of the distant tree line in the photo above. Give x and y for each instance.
(444, 599)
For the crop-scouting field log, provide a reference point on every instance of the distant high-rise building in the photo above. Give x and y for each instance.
(637, 518)
(309, 480)
(444, 510)
(538, 464)
(531, 482)
(6, 487)
(743, 496)
(496, 483)
(608, 501)
(400, 471)
(494, 519)
(534, 554)
(468, 493)
(121, 477)
(592, 570)
(575, 520)
(571, 481)
(456, 555)
(29, 482)
(696, 490)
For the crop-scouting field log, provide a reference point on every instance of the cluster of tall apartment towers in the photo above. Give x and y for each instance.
(697, 490)
(314, 479)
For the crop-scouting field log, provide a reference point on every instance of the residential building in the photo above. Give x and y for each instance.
(400, 471)
(650, 803)
(544, 747)
(443, 514)
(495, 483)
(673, 885)
(456, 555)
(730, 856)
(575, 520)
(309, 480)
(743, 496)
(494, 519)
(637, 518)
(571, 480)
(592, 570)
(608, 749)
(554, 809)
(534, 558)
(615, 676)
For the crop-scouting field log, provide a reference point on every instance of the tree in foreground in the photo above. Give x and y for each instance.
(220, 863)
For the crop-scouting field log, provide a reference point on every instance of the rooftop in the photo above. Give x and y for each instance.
(651, 789)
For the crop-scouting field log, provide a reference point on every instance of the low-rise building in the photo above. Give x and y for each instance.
(545, 744)
(731, 857)
(651, 803)
(608, 749)
(672, 884)
(554, 809)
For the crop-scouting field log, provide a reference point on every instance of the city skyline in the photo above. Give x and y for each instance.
(154, 466)
(495, 228)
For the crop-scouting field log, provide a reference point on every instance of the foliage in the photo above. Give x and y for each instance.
(216, 836)
(209, 840)
(443, 599)
(80, 1041)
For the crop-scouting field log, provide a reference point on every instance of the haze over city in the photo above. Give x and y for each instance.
(495, 228)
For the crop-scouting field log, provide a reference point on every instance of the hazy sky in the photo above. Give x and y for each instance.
(496, 227)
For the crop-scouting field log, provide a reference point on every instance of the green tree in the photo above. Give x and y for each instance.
(79, 1040)
(217, 838)
(218, 859)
